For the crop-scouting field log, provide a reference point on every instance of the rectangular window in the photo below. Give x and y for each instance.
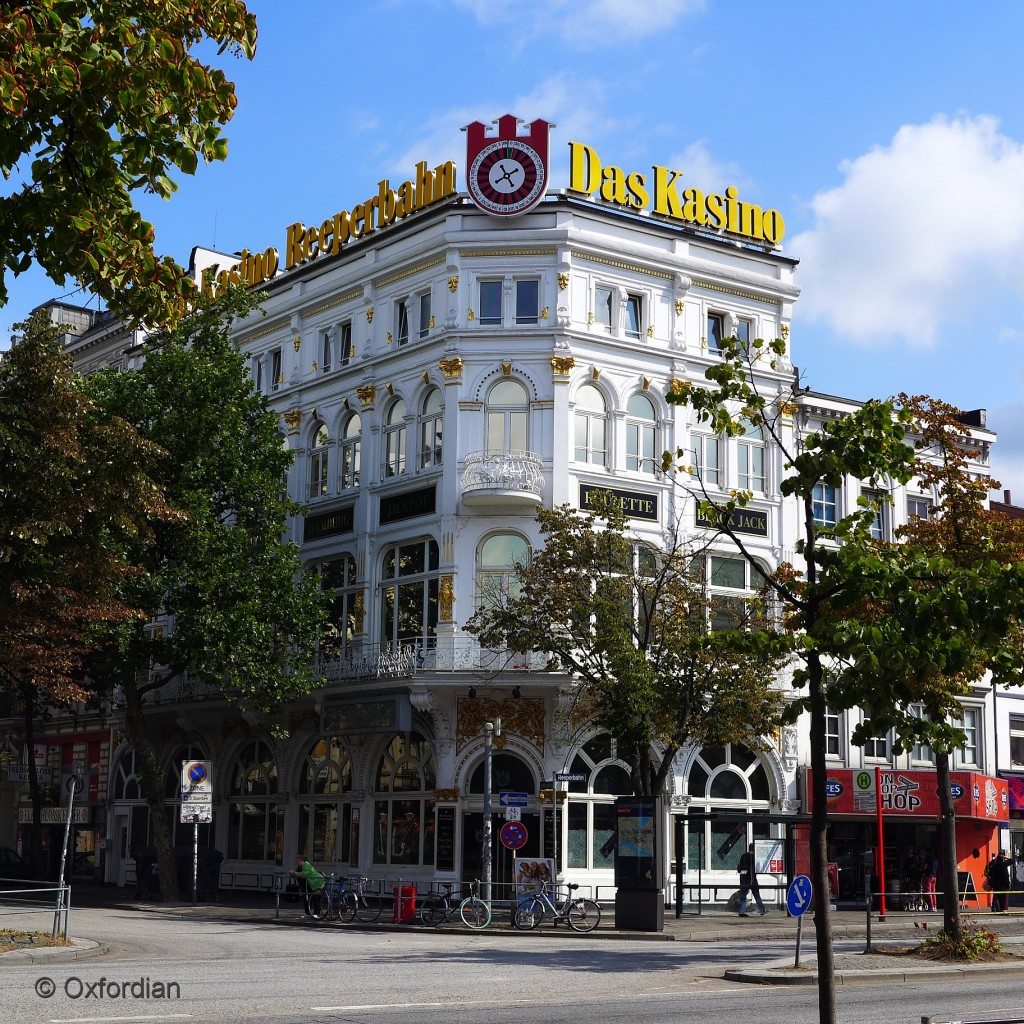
(490, 303)
(257, 375)
(634, 316)
(1017, 741)
(402, 322)
(276, 370)
(603, 307)
(716, 331)
(706, 460)
(424, 314)
(919, 507)
(744, 334)
(876, 748)
(751, 466)
(823, 500)
(527, 302)
(921, 752)
(345, 349)
(967, 756)
(833, 738)
(326, 353)
(878, 524)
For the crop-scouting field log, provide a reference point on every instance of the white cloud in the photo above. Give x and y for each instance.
(1008, 452)
(585, 23)
(920, 231)
(702, 170)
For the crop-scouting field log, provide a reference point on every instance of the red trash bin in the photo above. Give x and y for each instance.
(405, 904)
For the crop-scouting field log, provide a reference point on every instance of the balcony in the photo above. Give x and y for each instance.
(502, 480)
(404, 661)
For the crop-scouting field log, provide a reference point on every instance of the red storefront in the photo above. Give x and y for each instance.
(910, 821)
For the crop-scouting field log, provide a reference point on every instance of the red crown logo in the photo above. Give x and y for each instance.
(507, 165)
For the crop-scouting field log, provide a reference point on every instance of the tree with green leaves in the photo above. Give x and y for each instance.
(75, 492)
(631, 624)
(833, 561)
(99, 101)
(238, 612)
(944, 614)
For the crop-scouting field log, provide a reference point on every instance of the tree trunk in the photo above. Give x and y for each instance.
(151, 777)
(34, 844)
(947, 850)
(819, 848)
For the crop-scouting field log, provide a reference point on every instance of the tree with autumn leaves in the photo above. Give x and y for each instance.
(631, 623)
(101, 101)
(76, 492)
(882, 627)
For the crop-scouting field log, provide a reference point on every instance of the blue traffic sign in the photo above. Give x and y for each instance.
(513, 799)
(798, 896)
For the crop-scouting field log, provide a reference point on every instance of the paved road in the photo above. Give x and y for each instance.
(249, 970)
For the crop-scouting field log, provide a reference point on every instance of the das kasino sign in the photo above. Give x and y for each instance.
(507, 175)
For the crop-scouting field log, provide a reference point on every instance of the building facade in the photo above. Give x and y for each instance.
(442, 363)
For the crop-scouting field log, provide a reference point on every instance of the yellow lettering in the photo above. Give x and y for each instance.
(772, 226)
(584, 168)
(715, 206)
(666, 198)
(444, 180)
(424, 185)
(732, 209)
(355, 218)
(693, 206)
(385, 204)
(295, 253)
(752, 221)
(636, 188)
(340, 231)
(406, 200)
(325, 235)
(312, 238)
(270, 263)
(370, 205)
(613, 185)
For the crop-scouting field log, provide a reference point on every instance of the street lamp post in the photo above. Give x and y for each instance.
(491, 730)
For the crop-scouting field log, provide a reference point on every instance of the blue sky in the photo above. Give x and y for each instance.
(889, 135)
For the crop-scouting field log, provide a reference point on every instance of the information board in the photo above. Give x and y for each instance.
(445, 839)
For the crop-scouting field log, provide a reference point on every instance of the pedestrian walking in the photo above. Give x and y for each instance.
(748, 882)
(999, 879)
(931, 878)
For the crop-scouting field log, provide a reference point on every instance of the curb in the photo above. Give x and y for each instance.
(765, 975)
(83, 949)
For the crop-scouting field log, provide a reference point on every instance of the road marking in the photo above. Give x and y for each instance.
(94, 1020)
(413, 1006)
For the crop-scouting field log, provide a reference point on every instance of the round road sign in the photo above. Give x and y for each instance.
(798, 896)
(513, 835)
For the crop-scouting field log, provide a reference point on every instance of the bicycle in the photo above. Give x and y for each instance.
(336, 901)
(369, 905)
(475, 912)
(581, 915)
(438, 907)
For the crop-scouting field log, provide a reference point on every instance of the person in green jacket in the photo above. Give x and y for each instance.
(309, 878)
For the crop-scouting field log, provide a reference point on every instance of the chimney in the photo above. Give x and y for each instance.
(1006, 497)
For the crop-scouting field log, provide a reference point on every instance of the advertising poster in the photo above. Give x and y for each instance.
(530, 874)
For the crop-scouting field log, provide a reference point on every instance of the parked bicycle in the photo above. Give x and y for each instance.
(581, 915)
(438, 907)
(345, 899)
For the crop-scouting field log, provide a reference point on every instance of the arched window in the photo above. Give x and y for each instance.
(727, 779)
(130, 803)
(641, 435)
(431, 429)
(256, 822)
(500, 555)
(509, 774)
(409, 588)
(338, 582)
(350, 446)
(750, 459)
(508, 408)
(404, 802)
(590, 812)
(325, 826)
(181, 835)
(591, 426)
(395, 439)
(317, 460)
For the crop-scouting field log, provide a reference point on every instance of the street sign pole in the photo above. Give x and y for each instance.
(491, 729)
(798, 900)
(74, 783)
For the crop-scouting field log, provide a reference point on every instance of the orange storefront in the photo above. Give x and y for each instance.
(910, 820)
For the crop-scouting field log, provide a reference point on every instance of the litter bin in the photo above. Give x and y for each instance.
(405, 904)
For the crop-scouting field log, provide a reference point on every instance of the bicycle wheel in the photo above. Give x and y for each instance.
(319, 904)
(583, 915)
(346, 906)
(433, 910)
(369, 907)
(528, 915)
(474, 912)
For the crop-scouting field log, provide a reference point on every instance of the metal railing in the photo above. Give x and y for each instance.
(16, 902)
(502, 471)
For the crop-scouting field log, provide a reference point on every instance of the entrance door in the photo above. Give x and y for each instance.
(118, 861)
(502, 858)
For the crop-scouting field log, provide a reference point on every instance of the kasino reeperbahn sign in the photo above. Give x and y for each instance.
(507, 174)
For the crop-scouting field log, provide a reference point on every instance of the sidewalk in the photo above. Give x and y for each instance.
(711, 925)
